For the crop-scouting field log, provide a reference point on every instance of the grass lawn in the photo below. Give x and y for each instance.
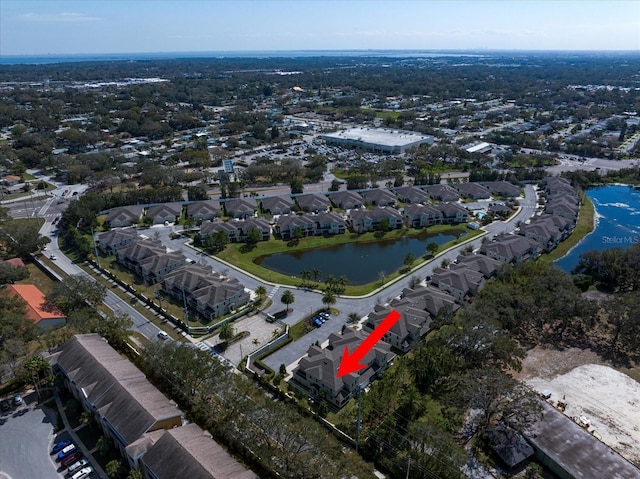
(584, 226)
(235, 255)
(39, 278)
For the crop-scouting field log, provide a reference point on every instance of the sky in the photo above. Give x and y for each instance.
(30, 27)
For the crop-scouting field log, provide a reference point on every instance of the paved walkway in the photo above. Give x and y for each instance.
(77, 441)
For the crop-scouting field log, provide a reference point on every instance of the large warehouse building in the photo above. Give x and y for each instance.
(377, 139)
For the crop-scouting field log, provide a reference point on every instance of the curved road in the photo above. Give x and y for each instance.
(305, 301)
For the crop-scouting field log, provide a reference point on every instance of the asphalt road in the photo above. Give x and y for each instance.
(363, 306)
(140, 323)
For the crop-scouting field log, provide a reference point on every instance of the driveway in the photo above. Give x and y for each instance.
(25, 442)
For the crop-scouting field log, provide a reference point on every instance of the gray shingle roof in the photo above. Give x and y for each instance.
(118, 389)
(189, 452)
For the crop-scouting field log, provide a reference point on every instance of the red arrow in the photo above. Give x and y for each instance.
(351, 362)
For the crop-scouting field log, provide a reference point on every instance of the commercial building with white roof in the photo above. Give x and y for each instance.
(377, 139)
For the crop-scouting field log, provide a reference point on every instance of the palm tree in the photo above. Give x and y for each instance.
(287, 298)
(317, 274)
(261, 291)
(329, 298)
(330, 281)
(226, 331)
(306, 275)
(353, 318)
(343, 281)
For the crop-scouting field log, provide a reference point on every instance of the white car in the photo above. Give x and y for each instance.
(53, 257)
(82, 473)
(76, 466)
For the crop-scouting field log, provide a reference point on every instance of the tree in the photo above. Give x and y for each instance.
(353, 318)
(227, 331)
(409, 259)
(297, 186)
(287, 298)
(113, 469)
(133, 474)
(329, 298)
(305, 274)
(261, 291)
(253, 237)
(335, 185)
(217, 241)
(114, 328)
(75, 292)
(9, 273)
(432, 248)
(385, 225)
(317, 274)
(103, 445)
(21, 238)
(414, 281)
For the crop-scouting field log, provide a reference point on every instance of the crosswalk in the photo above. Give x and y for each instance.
(273, 292)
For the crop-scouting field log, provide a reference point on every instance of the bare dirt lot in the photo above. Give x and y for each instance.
(609, 399)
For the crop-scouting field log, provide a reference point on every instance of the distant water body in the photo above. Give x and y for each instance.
(617, 222)
(111, 57)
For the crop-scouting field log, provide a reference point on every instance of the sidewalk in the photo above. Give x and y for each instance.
(77, 441)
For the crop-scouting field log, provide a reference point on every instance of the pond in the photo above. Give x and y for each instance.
(361, 263)
(617, 218)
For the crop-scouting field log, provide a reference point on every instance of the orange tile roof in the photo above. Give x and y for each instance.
(14, 262)
(36, 309)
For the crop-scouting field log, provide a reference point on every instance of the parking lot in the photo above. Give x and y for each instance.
(26, 435)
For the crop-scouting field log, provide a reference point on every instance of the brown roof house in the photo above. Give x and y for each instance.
(411, 194)
(203, 210)
(286, 226)
(124, 216)
(111, 241)
(373, 220)
(441, 192)
(430, 299)
(314, 202)
(316, 373)
(329, 223)
(241, 207)
(379, 197)
(252, 223)
(276, 205)
(511, 248)
(460, 282)
(346, 200)
(419, 216)
(502, 188)
(217, 226)
(453, 213)
(413, 324)
(185, 452)
(124, 403)
(472, 190)
(165, 213)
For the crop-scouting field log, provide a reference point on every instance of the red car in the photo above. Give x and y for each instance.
(70, 459)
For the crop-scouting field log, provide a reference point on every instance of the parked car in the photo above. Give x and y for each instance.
(317, 322)
(59, 446)
(70, 459)
(70, 449)
(82, 473)
(17, 400)
(5, 406)
(76, 466)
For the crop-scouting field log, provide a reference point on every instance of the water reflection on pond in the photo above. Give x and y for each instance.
(361, 263)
